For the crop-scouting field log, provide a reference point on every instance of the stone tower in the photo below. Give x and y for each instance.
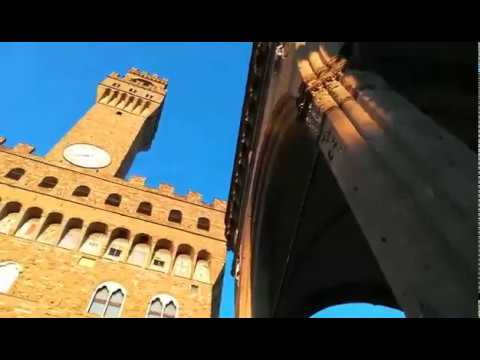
(77, 240)
(122, 122)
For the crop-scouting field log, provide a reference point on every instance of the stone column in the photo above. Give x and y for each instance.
(244, 306)
(420, 238)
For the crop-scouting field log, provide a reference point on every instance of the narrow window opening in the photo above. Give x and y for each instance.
(81, 191)
(159, 263)
(145, 208)
(15, 174)
(49, 182)
(114, 252)
(113, 200)
(203, 224)
(175, 216)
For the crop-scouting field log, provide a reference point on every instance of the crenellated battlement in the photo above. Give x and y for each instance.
(130, 197)
(169, 190)
(121, 123)
(136, 182)
(24, 148)
(137, 93)
(20, 148)
(134, 72)
(166, 189)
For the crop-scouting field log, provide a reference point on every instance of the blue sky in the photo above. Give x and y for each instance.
(49, 86)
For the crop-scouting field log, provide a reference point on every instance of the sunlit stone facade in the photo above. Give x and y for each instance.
(78, 240)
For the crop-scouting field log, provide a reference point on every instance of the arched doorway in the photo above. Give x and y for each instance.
(358, 310)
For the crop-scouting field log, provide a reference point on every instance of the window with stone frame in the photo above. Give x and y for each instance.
(30, 224)
(15, 174)
(183, 262)
(163, 306)
(175, 216)
(145, 208)
(140, 250)
(202, 267)
(9, 217)
(51, 229)
(162, 256)
(119, 244)
(71, 238)
(113, 200)
(107, 300)
(203, 224)
(48, 182)
(81, 191)
(114, 252)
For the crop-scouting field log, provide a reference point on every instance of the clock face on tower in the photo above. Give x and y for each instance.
(87, 156)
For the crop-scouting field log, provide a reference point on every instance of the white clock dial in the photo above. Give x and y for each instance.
(87, 156)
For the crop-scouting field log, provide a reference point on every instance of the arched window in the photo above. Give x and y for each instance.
(99, 301)
(51, 229)
(170, 310)
(9, 272)
(15, 174)
(30, 224)
(202, 267)
(162, 256)
(107, 300)
(155, 310)
(72, 234)
(140, 250)
(175, 216)
(203, 224)
(114, 304)
(81, 191)
(49, 182)
(183, 261)
(163, 306)
(113, 200)
(118, 247)
(145, 208)
(95, 239)
(9, 217)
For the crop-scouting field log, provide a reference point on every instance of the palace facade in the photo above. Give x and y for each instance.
(79, 240)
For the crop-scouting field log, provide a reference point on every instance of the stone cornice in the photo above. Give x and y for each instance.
(261, 52)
